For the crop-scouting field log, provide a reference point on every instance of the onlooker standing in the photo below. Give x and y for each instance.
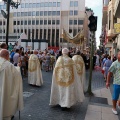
(97, 60)
(115, 70)
(16, 57)
(107, 65)
(23, 64)
(59, 54)
(3, 46)
(47, 62)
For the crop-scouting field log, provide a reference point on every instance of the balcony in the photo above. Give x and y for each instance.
(110, 34)
(117, 9)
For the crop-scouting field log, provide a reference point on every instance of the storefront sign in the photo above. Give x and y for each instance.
(117, 28)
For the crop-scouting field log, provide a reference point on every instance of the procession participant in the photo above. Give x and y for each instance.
(34, 70)
(11, 91)
(3, 46)
(80, 66)
(66, 90)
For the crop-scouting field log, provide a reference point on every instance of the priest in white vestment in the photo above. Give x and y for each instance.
(80, 66)
(34, 70)
(11, 91)
(66, 89)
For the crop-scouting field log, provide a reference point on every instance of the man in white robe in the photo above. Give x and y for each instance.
(66, 89)
(34, 70)
(80, 66)
(11, 91)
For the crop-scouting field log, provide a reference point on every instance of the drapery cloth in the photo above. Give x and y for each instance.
(11, 90)
(66, 89)
(77, 39)
(80, 66)
(34, 71)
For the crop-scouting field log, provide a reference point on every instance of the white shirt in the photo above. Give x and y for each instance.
(16, 58)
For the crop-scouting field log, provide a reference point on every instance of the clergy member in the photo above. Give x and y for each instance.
(11, 91)
(80, 66)
(66, 89)
(34, 70)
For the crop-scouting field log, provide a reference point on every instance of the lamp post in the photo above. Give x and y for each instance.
(13, 4)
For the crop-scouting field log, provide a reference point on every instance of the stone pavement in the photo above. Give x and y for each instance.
(36, 101)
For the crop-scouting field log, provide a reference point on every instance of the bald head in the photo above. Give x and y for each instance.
(4, 54)
(35, 52)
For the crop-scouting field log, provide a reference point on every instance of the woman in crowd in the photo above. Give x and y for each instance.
(107, 65)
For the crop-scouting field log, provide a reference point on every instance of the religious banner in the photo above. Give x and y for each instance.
(117, 28)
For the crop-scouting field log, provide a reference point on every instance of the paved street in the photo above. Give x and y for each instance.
(36, 100)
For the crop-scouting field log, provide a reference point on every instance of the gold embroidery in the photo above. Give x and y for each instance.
(79, 64)
(33, 63)
(64, 72)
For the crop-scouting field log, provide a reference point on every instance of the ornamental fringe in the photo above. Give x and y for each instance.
(77, 39)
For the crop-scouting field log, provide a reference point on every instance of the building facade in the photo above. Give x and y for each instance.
(44, 20)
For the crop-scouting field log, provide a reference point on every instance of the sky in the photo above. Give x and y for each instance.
(96, 6)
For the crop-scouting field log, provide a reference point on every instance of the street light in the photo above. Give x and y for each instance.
(13, 4)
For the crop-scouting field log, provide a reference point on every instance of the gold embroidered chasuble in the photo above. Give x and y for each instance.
(66, 90)
(34, 71)
(64, 72)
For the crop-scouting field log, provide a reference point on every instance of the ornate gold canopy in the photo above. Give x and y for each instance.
(77, 39)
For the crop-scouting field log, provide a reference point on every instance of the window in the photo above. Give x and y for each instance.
(70, 22)
(46, 4)
(38, 5)
(42, 4)
(33, 22)
(58, 13)
(54, 4)
(50, 4)
(71, 3)
(29, 22)
(71, 12)
(17, 30)
(21, 30)
(109, 20)
(37, 13)
(49, 22)
(58, 4)
(75, 3)
(49, 13)
(14, 14)
(37, 22)
(18, 14)
(26, 5)
(14, 22)
(41, 13)
(41, 22)
(30, 5)
(33, 13)
(4, 6)
(14, 30)
(34, 5)
(22, 13)
(3, 22)
(25, 22)
(70, 30)
(45, 13)
(75, 22)
(22, 5)
(25, 14)
(57, 22)
(21, 22)
(29, 13)
(75, 12)
(18, 22)
(45, 22)
(53, 22)
(80, 22)
(53, 13)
